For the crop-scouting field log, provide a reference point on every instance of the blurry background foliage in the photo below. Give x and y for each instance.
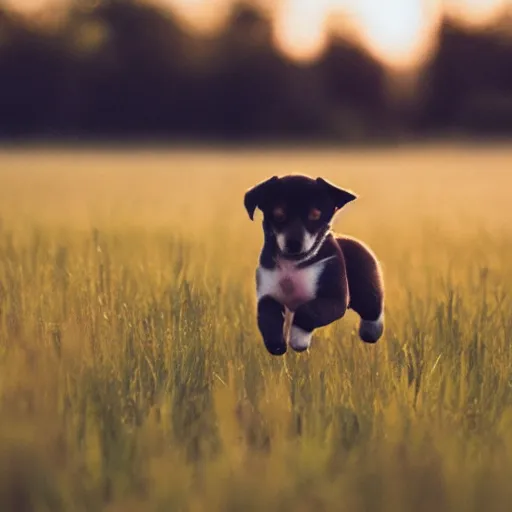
(113, 69)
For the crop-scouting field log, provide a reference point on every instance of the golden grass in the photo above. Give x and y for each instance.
(132, 375)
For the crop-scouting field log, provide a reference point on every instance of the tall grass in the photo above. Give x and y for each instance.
(133, 377)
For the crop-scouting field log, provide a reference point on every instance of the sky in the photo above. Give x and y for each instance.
(399, 32)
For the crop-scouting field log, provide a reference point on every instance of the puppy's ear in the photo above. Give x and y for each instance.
(339, 196)
(253, 197)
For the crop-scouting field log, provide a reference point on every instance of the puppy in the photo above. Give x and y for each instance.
(306, 269)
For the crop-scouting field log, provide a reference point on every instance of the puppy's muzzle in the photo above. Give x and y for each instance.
(293, 246)
(293, 239)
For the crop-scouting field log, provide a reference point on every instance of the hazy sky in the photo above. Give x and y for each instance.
(397, 31)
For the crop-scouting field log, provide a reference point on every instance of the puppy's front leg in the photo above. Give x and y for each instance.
(316, 313)
(270, 324)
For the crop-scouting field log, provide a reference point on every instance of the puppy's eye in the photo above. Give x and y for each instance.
(279, 214)
(314, 214)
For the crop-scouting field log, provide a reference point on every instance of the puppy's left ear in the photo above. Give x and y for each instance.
(339, 196)
(255, 196)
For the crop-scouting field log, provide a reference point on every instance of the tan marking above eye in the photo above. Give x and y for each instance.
(279, 213)
(314, 214)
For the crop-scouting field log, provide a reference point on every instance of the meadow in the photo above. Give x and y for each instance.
(133, 377)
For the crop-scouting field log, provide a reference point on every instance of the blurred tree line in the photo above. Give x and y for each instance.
(125, 69)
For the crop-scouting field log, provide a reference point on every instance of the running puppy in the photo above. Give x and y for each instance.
(305, 268)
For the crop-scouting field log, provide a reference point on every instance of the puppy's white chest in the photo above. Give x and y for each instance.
(288, 284)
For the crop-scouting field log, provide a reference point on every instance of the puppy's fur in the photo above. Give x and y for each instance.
(305, 269)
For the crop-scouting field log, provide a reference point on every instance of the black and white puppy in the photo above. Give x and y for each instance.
(308, 270)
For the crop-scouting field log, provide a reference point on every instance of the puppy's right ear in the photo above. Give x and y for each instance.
(254, 196)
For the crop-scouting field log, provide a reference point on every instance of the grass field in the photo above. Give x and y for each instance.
(133, 378)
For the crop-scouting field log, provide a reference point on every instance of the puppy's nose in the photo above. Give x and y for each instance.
(293, 246)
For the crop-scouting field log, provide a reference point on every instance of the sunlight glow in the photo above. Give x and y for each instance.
(476, 12)
(300, 28)
(400, 32)
(34, 6)
(205, 16)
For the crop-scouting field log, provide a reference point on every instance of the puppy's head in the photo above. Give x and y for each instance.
(297, 209)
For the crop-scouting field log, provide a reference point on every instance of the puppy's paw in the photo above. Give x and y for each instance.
(276, 347)
(370, 331)
(300, 340)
